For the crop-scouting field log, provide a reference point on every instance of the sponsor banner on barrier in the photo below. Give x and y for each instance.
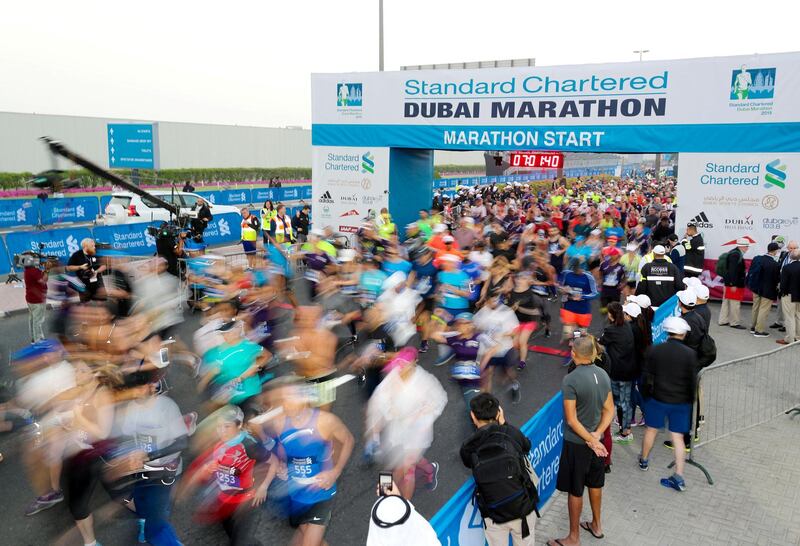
(686, 105)
(667, 309)
(735, 196)
(5, 259)
(57, 242)
(224, 228)
(19, 212)
(130, 238)
(347, 184)
(459, 522)
(70, 209)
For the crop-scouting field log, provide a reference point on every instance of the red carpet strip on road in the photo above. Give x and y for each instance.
(548, 350)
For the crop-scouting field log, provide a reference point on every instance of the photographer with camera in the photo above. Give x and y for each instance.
(36, 268)
(394, 521)
(86, 266)
(169, 245)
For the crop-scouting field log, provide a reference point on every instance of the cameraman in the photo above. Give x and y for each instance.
(169, 245)
(86, 266)
(395, 522)
(35, 277)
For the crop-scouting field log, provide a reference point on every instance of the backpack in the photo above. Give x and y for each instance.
(706, 351)
(721, 268)
(504, 488)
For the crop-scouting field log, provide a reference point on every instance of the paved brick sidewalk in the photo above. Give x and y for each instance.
(754, 499)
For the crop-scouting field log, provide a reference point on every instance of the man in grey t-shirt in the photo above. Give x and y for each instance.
(588, 410)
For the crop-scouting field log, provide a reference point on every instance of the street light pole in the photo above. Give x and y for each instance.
(639, 51)
(380, 35)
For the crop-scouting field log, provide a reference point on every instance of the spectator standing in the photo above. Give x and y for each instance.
(668, 387)
(677, 252)
(790, 298)
(730, 313)
(301, 223)
(763, 279)
(395, 522)
(280, 228)
(495, 440)
(35, 278)
(588, 410)
(695, 251)
(618, 341)
(86, 266)
(660, 279)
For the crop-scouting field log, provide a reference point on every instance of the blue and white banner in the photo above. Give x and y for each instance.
(722, 104)
(5, 259)
(224, 228)
(132, 239)
(667, 309)
(70, 209)
(19, 212)
(57, 242)
(459, 522)
(238, 197)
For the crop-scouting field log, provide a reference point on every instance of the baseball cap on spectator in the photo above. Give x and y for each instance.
(447, 239)
(702, 292)
(692, 282)
(632, 309)
(676, 325)
(631, 247)
(659, 250)
(687, 297)
(464, 316)
(643, 300)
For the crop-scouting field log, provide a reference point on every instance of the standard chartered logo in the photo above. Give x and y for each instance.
(368, 163)
(224, 227)
(776, 174)
(72, 244)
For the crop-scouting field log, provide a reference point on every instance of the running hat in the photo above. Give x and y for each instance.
(466, 315)
(659, 250)
(448, 239)
(643, 300)
(231, 414)
(347, 255)
(407, 355)
(702, 292)
(631, 247)
(632, 309)
(692, 282)
(676, 325)
(688, 297)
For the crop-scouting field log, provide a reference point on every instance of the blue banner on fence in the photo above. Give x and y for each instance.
(70, 209)
(5, 263)
(19, 212)
(55, 242)
(667, 309)
(224, 228)
(459, 522)
(130, 238)
(231, 197)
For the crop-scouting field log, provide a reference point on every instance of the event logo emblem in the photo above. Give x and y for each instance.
(366, 184)
(72, 244)
(79, 211)
(349, 95)
(702, 221)
(752, 83)
(367, 164)
(732, 242)
(770, 202)
(739, 223)
(224, 227)
(776, 174)
(149, 240)
(21, 216)
(351, 212)
(326, 198)
(211, 199)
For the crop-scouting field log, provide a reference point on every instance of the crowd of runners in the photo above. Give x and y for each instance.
(477, 278)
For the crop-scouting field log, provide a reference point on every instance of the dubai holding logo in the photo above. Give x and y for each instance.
(368, 163)
(776, 174)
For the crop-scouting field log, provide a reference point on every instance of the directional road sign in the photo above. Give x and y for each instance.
(132, 145)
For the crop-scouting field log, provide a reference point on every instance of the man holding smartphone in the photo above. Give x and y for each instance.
(394, 521)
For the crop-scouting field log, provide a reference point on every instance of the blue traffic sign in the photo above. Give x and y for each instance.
(132, 145)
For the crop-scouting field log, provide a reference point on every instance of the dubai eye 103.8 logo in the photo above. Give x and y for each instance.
(752, 83)
(368, 163)
(776, 174)
(349, 95)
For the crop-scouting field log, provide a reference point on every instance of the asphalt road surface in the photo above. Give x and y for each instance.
(356, 487)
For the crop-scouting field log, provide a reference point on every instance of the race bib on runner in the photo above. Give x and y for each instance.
(227, 478)
(466, 370)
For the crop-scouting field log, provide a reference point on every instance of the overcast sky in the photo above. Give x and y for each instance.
(248, 63)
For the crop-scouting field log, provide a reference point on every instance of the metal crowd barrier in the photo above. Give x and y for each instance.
(743, 393)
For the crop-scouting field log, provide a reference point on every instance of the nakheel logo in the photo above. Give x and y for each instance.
(368, 163)
(224, 227)
(72, 244)
(702, 221)
(776, 174)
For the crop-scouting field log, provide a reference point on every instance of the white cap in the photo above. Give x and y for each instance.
(702, 292)
(439, 228)
(688, 297)
(659, 250)
(394, 280)
(347, 255)
(742, 242)
(632, 309)
(631, 247)
(692, 282)
(676, 325)
(643, 300)
(447, 239)
(596, 232)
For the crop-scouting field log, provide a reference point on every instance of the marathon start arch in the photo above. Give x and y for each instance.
(736, 121)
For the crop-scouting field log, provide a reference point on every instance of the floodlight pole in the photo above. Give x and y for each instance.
(380, 35)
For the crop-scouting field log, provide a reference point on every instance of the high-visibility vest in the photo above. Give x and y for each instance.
(283, 229)
(248, 233)
(266, 217)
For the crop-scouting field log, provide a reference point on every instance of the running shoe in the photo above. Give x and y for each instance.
(761, 334)
(423, 347)
(675, 482)
(668, 445)
(434, 483)
(516, 396)
(44, 502)
(442, 360)
(521, 365)
(623, 438)
(644, 464)
(638, 422)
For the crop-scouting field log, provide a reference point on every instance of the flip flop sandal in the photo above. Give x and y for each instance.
(586, 526)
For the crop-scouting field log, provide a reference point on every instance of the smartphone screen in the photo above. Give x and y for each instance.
(164, 356)
(384, 482)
